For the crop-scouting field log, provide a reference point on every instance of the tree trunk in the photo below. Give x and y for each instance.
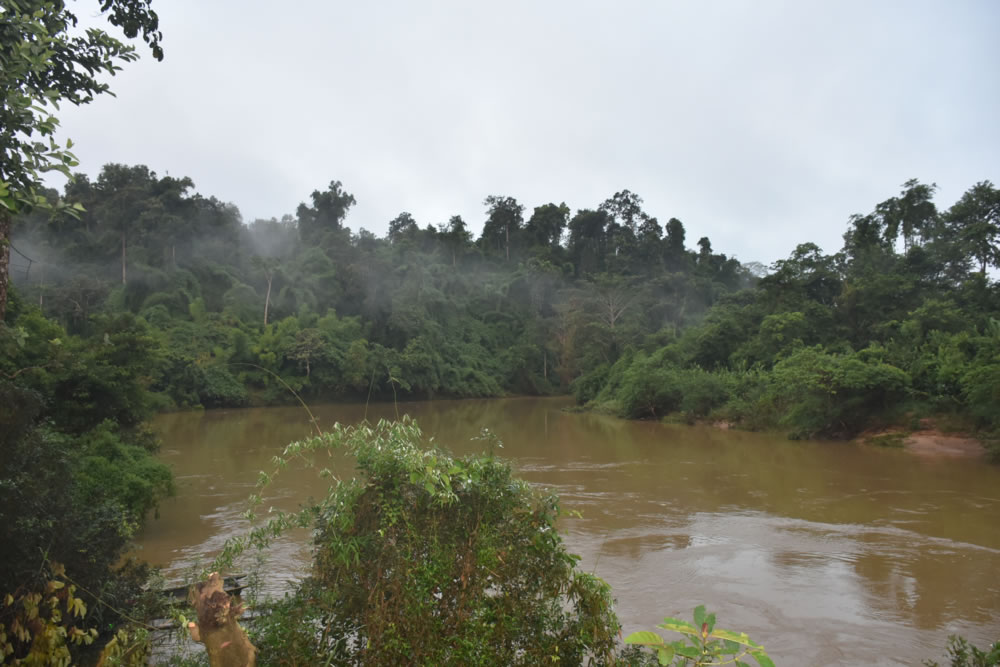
(506, 231)
(267, 298)
(4, 260)
(123, 258)
(545, 364)
(225, 641)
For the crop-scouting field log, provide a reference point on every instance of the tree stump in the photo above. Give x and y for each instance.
(217, 628)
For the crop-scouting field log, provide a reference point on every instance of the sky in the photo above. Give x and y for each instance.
(761, 124)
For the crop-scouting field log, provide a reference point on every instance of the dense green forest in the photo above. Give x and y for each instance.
(425, 311)
(903, 322)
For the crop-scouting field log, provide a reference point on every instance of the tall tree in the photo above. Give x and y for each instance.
(546, 225)
(46, 61)
(401, 227)
(909, 214)
(327, 213)
(268, 266)
(588, 240)
(626, 209)
(674, 252)
(456, 237)
(126, 194)
(503, 222)
(976, 219)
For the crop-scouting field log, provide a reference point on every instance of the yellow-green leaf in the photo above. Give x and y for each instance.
(645, 638)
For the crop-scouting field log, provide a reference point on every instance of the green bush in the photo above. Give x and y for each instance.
(981, 391)
(963, 654)
(821, 393)
(62, 501)
(110, 467)
(586, 387)
(220, 389)
(649, 389)
(426, 559)
(703, 644)
(652, 387)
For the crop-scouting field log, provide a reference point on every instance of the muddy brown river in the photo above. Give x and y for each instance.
(827, 553)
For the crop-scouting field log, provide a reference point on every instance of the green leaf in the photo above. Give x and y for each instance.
(665, 655)
(682, 627)
(731, 646)
(699, 615)
(739, 637)
(762, 658)
(689, 651)
(645, 638)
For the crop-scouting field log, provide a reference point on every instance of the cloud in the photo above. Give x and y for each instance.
(759, 124)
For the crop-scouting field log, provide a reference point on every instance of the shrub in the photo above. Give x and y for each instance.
(703, 644)
(428, 559)
(586, 387)
(963, 654)
(835, 394)
(221, 389)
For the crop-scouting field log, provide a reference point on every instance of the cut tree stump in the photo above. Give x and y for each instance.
(217, 628)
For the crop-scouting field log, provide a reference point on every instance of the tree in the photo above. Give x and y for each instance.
(976, 219)
(46, 62)
(401, 227)
(673, 245)
(588, 240)
(704, 250)
(269, 267)
(456, 237)
(910, 213)
(326, 214)
(626, 209)
(504, 218)
(546, 225)
(126, 192)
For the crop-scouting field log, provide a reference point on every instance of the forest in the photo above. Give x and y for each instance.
(132, 293)
(903, 322)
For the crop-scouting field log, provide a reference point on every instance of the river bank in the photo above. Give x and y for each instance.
(930, 442)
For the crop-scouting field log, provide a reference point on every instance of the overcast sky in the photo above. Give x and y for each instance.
(761, 124)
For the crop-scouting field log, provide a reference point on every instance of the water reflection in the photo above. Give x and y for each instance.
(830, 553)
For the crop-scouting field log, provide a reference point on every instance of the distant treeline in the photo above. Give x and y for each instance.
(606, 302)
(532, 304)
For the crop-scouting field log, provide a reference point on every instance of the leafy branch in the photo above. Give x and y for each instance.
(703, 643)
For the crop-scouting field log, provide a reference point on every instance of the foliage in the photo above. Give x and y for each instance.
(76, 477)
(703, 644)
(614, 311)
(429, 559)
(37, 627)
(829, 345)
(835, 394)
(45, 63)
(963, 654)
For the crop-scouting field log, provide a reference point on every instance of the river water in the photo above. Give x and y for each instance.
(827, 553)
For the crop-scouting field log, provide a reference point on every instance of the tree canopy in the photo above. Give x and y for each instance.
(46, 61)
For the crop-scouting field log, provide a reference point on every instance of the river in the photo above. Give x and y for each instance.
(827, 553)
